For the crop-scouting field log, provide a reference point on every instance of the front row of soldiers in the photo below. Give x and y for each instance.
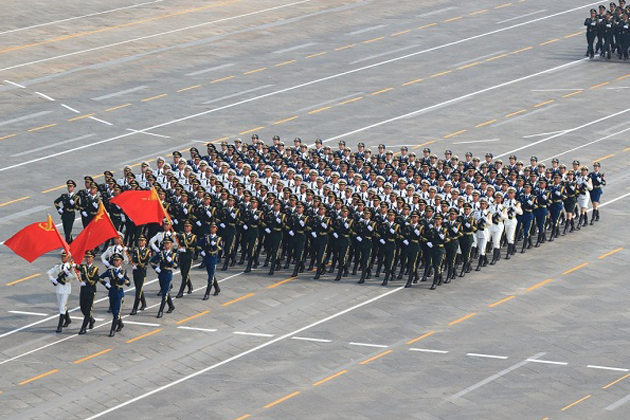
(608, 32)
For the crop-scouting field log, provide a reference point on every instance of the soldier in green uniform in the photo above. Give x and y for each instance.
(297, 224)
(251, 219)
(274, 224)
(365, 232)
(453, 226)
(66, 205)
(436, 238)
(228, 218)
(187, 245)
(320, 227)
(411, 237)
(388, 232)
(342, 229)
(89, 278)
(140, 256)
(467, 230)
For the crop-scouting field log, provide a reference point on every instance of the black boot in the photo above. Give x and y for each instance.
(120, 325)
(464, 268)
(552, 236)
(83, 329)
(339, 273)
(67, 319)
(566, 226)
(317, 273)
(91, 325)
(161, 310)
(266, 264)
(249, 265)
(386, 279)
(593, 217)
(181, 290)
(171, 307)
(572, 226)
(539, 240)
(447, 280)
(524, 246)
(273, 268)
(363, 276)
(480, 263)
(579, 224)
(596, 215)
(217, 289)
(495, 251)
(190, 287)
(60, 324)
(485, 260)
(409, 280)
(509, 251)
(225, 264)
(112, 331)
(206, 295)
(425, 275)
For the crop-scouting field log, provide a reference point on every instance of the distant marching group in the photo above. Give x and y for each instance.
(377, 213)
(608, 31)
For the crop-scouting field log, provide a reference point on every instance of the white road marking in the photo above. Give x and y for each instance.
(71, 109)
(39, 25)
(477, 141)
(544, 134)
(49, 146)
(619, 87)
(149, 134)
(472, 60)
(618, 403)
(613, 200)
(215, 68)
(45, 96)
(608, 368)
(493, 377)
(240, 355)
(435, 12)
(24, 117)
(429, 350)
(487, 356)
(15, 84)
(380, 346)
(522, 16)
(101, 121)
(119, 93)
(253, 334)
(28, 313)
(80, 317)
(144, 324)
(317, 340)
(588, 144)
(364, 30)
(297, 47)
(115, 44)
(198, 329)
(548, 362)
(236, 94)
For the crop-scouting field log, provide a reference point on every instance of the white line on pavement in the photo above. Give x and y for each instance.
(435, 12)
(119, 93)
(145, 324)
(317, 340)
(49, 146)
(24, 117)
(297, 47)
(548, 362)
(101, 121)
(364, 30)
(149, 134)
(477, 141)
(15, 84)
(588, 144)
(253, 334)
(487, 356)
(28, 313)
(71, 109)
(543, 134)
(618, 403)
(215, 68)
(429, 350)
(45, 96)
(608, 368)
(199, 329)
(555, 90)
(237, 94)
(380, 346)
(522, 16)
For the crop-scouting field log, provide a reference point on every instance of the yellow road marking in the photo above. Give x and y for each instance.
(286, 120)
(430, 333)
(536, 286)
(618, 380)
(543, 103)
(516, 113)
(253, 129)
(577, 402)
(485, 123)
(522, 50)
(575, 268)
(623, 77)
(271, 286)
(320, 110)
(478, 12)
(153, 97)
(464, 318)
(496, 57)
(608, 254)
(330, 377)
(373, 40)
(218, 140)
(401, 32)
(39, 377)
(14, 201)
(358, 98)
(412, 82)
(8, 136)
(424, 144)
(469, 65)
(11, 283)
(192, 317)
(381, 91)
(76, 362)
(81, 117)
(238, 299)
(140, 337)
(572, 93)
(189, 88)
(317, 55)
(53, 189)
(223, 79)
(255, 71)
(626, 149)
(282, 399)
(284, 63)
(575, 34)
(116, 107)
(503, 5)
(600, 85)
(605, 157)
(345, 47)
(378, 356)
(452, 19)
(427, 26)
(442, 74)
(549, 42)
(243, 417)
(457, 133)
(42, 127)
(497, 303)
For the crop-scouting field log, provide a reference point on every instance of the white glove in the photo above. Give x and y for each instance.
(208, 213)
(360, 239)
(233, 215)
(222, 225)
(185, 210)
(268, 230)
(278, 220)
(302, 223)
(181, 249)
(314, 234)
(169, 259)
(245, 227)
(133, 267)
(175, 221)
(467, 225)
(54, 282)
(382, 241)
(335, 235)
(441, 236)
(213, 243)
(392, 231)
(530, 202)
(60, 211)
(324, 225)
(558, 193)
(84, 213)
(291, 233)
(406, 242)
(454, 229)
(120, 276)
(108, 286)
(347, 226)
(71, 202)
(203, 253)
(370, 228)
(107, 264)
(157, 270)
(255, 217)
(82, 283)
(430, 244)
(417, 232)
(198, 223)
(95, 205)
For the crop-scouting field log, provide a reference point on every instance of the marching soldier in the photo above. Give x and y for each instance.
(468, 228)
(542, 200)
(591, 24)
(66, 205)
(411, 236)
(388, 232)
(342, 229)
(436, 238)
(61, 275)
(557, 194)
(297, 224)
(140, 256)
(320, 227)
(453, 226)
(187, 245)
(514, 210)
(274, 223)
(251, 221)
(164, 262)
(117, 279)
(598, 180)
(570, 200)
(89, 279)
(210, 246)
(228, 218)
(365, 231)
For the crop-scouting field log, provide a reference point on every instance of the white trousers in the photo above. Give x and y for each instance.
(510, 230)
(482, 237)
(496, 231)
(63, 292)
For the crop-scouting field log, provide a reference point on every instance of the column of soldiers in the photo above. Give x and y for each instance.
(608, 31)
(342, 212)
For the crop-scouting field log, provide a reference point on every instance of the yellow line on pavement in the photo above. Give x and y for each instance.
(189, 88)
(608, 254)
(496, 57)
(600, 85)
(381, 91)
(23, 279)
(320, 110)
(442, 74)
(373, 40)
(549, 42)
(478, 12)
(271, 286)
(457, 133)
(623, 77)
(14, 201)
(238, 299)
(286, 120)
(42, 127)
(503, 5)
(76, 362)
(330, 377)
(543, 103)
(81, 117)
(427, 26)
(452, 19)
(243, 417)
(430, 333)
(284, 63)
(412, 82)
(522, 49)
(476, 63)
(223, 79)
(574, 34)
(378, 356)
(485, 123)
(39, 377)
(577, 402)
(618, 380)
(605, 157)
(575, 268)
(317, 54)
(464, 318)
(117, 107)
(140, 337)
(253, 129)
(153, 97)
(358, 98)
(516, 113)
(282, 399)
(192, 317)
(345, 47)
(497, 303)
(255, 71)
(401, 32)
(572, 93)
(536, 286)
(8, 136)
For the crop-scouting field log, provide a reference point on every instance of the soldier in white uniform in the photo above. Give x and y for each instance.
(62, 275)
(514, 209)
(499, 215)
(117, 248)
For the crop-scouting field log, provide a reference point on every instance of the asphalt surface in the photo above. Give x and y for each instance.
(540, 336)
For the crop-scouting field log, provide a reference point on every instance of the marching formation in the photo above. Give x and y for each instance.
(382, 214)
(608, 31)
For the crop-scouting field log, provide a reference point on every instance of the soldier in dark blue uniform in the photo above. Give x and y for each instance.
(187, 247)
(164, 262)
(320, 227)
(116, 279)
(436, 238)
(274, 222)
(298, 223)
(599, 180)
(542, 200)
(210, 247)
(556, 191)
(528, 204)
(388, 233)
(365, 231)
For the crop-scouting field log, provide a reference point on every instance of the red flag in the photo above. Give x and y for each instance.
(37, 239)
(142, 207)
(95, 233)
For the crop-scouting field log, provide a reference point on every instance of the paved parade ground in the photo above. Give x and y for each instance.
(94, 86)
